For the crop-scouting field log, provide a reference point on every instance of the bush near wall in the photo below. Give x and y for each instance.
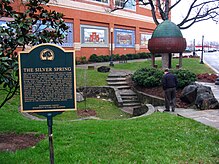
(115, 57)
(152, 77)
(148, 77)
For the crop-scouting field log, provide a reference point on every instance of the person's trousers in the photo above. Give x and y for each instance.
(170, 98)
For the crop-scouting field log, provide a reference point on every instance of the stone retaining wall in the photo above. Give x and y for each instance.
(103, 92)
(149, 99)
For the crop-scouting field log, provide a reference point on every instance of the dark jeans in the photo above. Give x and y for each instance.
(170, 98)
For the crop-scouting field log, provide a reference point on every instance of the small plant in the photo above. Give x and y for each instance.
(184, 77)
(148, 77)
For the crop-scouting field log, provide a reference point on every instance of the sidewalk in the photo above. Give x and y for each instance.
(207, 117)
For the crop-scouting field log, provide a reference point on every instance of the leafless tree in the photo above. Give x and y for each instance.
(198, 10)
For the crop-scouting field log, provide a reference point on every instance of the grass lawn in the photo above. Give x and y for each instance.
(94, 78)
(191, 64)
(103, 108)
(158, 138)
(90, 78)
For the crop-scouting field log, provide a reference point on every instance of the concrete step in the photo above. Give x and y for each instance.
(127, 92)
(117, 75)
(123, 87)
(129, 110)
(131, 104)
(116, 79)
(130, 101)
(117, 83)
(132, 97)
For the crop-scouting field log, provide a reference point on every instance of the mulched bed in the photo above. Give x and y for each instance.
(86, 113)
(158, 91)
(13, 141)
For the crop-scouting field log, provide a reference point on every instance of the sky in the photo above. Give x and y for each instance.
(209, 29)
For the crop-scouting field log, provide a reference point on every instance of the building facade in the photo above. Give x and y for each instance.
(94, 29)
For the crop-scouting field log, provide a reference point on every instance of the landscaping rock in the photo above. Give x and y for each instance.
(103, 69)
(189, 94)
(206, 101)
(79, 97)
(200, 95)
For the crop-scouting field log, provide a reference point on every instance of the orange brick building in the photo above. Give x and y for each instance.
(93, 29)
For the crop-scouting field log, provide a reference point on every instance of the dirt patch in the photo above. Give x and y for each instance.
(13, 141)
(86, 113)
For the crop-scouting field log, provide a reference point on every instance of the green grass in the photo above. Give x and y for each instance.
(191, 64)
(158, 138)
(104, 110)
(90, 78)
(94, 78)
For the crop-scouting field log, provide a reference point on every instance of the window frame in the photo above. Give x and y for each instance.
(132, 7)
(68, 40)
(124, 31)
(89, 28)
(147, 36)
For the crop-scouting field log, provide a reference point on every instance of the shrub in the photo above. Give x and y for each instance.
(148, 77)
(144, 55)
(93, 58)
(184, 77)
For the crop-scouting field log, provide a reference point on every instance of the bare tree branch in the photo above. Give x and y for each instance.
(203, 11)
(199, 10)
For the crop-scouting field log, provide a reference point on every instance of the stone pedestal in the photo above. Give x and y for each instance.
(165, 60)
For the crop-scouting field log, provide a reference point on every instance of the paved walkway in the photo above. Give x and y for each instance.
(207, 117)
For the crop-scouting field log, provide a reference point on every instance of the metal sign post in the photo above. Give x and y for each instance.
(50, 135)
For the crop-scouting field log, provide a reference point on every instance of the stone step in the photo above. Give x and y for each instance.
(130, 101)
(129, 110)
(132, 97)
(117, 83)
(116, 79)
(131, 104)
(122, 87)
(127, 92)
(117, 75)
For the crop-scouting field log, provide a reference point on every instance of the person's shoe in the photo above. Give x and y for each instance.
(166, 110)
(173, 110)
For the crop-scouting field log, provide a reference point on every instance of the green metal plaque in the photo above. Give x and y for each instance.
(47, 79)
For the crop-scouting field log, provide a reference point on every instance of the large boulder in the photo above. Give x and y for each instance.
(205, 101)
(103, 69)
(189, 94)
(200, 95)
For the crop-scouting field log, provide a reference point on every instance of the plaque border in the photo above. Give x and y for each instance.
(27, 52)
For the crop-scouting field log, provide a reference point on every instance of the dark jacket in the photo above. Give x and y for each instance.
(169, 81)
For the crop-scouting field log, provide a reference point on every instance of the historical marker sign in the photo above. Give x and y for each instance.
(47, 79)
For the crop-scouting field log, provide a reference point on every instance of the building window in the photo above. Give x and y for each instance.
(129, 5)
(144, 39)
(94, 36)
(103, 1)
(124, 38)
(67, 41)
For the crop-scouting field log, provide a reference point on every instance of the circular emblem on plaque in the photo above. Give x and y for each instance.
(46, 54)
